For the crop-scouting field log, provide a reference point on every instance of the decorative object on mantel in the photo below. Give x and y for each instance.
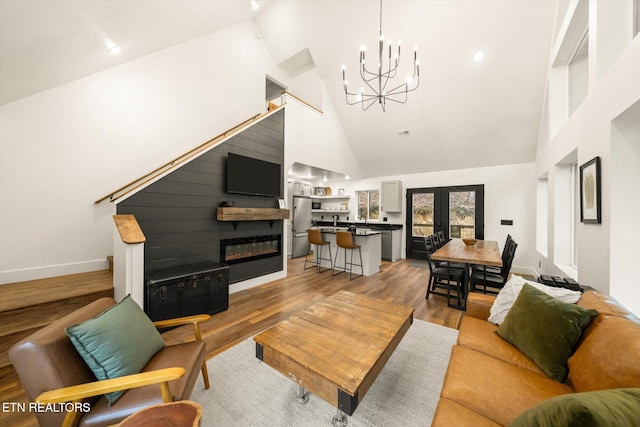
(320, 191)
(282, 204)
(377, 81)
(227, 204)
(590, 192)
(327, 191)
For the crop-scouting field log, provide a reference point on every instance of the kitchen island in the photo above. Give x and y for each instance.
(370, 242)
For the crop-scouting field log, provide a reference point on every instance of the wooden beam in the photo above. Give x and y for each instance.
(251, 214)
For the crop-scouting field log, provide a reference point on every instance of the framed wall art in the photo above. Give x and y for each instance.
(590, 192)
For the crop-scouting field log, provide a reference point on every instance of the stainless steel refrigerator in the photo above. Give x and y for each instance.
(300, 224)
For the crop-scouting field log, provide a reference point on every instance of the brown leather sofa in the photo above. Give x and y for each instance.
(489, 382)
(47, 360)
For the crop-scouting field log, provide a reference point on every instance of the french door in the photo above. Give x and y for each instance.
(456, 211)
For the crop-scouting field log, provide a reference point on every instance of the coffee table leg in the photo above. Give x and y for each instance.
(303, 395)
(339, 419)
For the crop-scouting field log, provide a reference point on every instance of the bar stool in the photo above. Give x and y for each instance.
(344, 240)
(315, 238)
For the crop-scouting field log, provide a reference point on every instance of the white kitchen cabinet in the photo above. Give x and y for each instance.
(391, 200)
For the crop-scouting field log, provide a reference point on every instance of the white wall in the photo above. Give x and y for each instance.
(510, 193)
(64, 148)
(614, 88)
(317, 139)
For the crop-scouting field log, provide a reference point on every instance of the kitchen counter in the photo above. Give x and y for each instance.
(370, 242)
(369, 225)
(359, 231)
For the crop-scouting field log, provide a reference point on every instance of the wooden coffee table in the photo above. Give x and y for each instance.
(336, 348)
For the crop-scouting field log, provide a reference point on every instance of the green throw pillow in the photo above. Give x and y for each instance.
(605, 408)
(545, 329)
(117, 342)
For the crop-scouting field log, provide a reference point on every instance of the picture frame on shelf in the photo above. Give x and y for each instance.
(321, 191)
(282, 204)
(341, 192)
(590, 192)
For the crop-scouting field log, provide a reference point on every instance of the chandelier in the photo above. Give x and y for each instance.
(377, 82)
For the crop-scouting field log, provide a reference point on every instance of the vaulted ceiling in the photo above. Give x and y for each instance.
(464, 114)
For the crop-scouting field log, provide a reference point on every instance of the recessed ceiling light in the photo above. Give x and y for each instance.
(254, 5)
(114, 50)
(479, 56)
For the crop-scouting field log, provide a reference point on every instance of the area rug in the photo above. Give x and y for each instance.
(247, 392)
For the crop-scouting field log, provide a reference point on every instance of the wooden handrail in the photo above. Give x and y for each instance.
(151, 176)
(302, 101)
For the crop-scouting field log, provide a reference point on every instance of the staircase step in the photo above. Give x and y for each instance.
(19, 295)
(26, 307)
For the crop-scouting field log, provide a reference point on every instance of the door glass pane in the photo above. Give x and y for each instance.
(422, 214)
(462, 214)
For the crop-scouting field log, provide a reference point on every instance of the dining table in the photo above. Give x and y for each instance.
(483, 252)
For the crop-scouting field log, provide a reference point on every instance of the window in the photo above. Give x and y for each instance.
(636, 18)
(566, 214)
(542, 219)
(368, 205)
(575, 214)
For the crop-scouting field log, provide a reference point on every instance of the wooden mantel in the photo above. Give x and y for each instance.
(251, 214)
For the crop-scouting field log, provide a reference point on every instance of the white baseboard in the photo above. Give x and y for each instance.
(22, 275)
(251, 283)
(525, 270)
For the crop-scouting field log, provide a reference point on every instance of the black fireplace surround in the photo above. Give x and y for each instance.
(243, 249)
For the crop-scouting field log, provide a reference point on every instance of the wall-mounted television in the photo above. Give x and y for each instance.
(246, 175)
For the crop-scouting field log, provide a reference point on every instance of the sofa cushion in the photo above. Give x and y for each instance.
(117, 342)
(606, 305)
(509, 293)
(495, 389)
(481, 335)
(615, 407)
(608, 356)
(545, 329)
(449, 413)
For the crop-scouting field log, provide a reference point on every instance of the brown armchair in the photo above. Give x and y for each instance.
(52, 371)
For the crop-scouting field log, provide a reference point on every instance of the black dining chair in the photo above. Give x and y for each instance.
(505, 252)
(444, 280)
(485, 279)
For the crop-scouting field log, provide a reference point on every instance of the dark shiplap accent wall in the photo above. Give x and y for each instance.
(177, 214)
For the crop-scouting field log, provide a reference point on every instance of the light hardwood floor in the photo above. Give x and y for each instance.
(256, 309)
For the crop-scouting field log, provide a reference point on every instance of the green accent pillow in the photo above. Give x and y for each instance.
(616, 407)
(117, 342)
(545, 329)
